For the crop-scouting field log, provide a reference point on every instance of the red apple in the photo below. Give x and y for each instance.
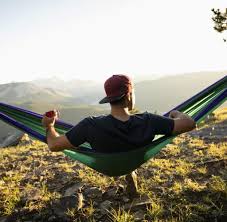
(50, 114)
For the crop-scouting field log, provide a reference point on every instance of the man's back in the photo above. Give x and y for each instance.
(118, 131)
(108, 134)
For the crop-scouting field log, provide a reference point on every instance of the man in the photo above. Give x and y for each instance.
(119, 131)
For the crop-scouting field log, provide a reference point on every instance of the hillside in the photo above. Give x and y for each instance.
(171, 90)
(159, 94)
(87, 91)
(185, 182)
(165, 93)
(27, 92)
(72, 98)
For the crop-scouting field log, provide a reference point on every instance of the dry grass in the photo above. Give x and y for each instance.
(185, 182)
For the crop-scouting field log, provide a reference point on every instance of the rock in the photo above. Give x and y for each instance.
(12, 139)
(105, 206)
(37, 217)
(74, 189)
(15, 139)
(74, 202)
(93, 192)
(125, 199)
(139, 215)
(98, 215)
(52, 219)
(3, 219)
(95, 204)
(25, 140)
(142, 201)
(111, 192)
(33, 194)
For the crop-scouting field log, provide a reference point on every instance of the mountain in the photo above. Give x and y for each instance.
(165, 93)
(87, 91)
(28, 92)
(42, 98)
(152, 93)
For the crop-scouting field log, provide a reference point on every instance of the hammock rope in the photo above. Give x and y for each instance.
(120, 163)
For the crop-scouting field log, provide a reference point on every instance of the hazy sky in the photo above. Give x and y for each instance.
(92, 39)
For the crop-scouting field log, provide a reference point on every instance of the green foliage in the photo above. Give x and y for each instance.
(220, 20)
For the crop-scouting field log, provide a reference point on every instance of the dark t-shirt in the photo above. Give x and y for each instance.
(108, 134)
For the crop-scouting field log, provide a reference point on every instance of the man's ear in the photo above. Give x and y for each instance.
(129, 97)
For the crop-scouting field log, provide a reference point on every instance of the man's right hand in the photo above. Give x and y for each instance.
(182, 122)
(174, 114)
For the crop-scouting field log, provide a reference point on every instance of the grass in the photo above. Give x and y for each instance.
(121, 215)
(186, 182)
(155, 209)
(87, 176)
(11, 195)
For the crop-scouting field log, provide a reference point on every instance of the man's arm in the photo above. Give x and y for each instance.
(55, 141)
(182, 122)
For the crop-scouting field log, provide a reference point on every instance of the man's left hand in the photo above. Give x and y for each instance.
(49, 121)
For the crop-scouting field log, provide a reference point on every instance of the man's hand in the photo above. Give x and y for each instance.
(55, 141)
(174, 114)
(182, 122)
(50, 121)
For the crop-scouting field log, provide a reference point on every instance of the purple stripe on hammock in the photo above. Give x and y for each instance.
(22, 127)
(39, 136)
(211, 105)
(39, 116)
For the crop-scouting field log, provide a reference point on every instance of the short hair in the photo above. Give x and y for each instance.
(121, 101)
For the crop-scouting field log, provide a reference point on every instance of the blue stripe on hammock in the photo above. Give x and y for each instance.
(39, 116)
(210, 106)
(22, 127)
(39, 136)
(197, 95)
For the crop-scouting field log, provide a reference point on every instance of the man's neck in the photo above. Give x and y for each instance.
(120, 113)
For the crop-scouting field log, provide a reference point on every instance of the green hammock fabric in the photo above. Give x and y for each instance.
(116, 164)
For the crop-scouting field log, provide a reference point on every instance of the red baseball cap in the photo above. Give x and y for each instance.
(116, 87)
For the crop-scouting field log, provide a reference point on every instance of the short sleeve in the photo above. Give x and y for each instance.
(78, 134)
(162, 125)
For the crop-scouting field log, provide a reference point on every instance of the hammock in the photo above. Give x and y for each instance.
(120, 163)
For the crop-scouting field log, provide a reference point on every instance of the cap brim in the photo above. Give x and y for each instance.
(110, 99)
